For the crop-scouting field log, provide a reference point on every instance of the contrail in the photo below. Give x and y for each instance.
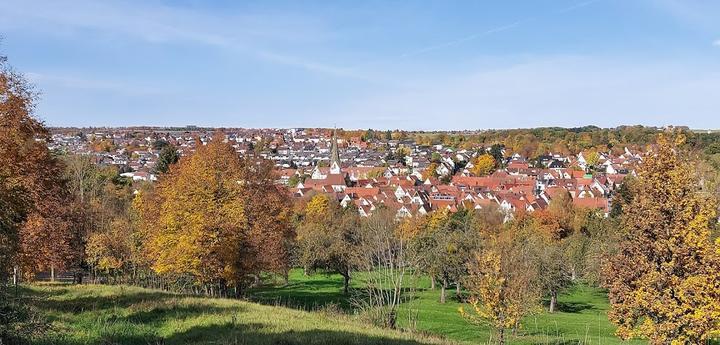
(485, 33)
(462, 39)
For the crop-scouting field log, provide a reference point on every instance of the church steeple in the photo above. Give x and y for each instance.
(334, 154)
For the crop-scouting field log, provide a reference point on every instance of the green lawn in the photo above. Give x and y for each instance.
(93, 314)
(581, 317)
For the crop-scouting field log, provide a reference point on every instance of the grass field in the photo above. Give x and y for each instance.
(582, 315)
(308, 310)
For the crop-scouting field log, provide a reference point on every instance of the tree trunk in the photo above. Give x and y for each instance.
(432, 283)
(346, 282)
(15, 276)
(52, 273)
(457, 289)
(553, 301)
(391, 320)
(305, 271)
(501, 336)
(442, 291)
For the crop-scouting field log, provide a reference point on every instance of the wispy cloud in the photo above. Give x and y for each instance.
(478, 35)
(716, 43)
(248, 34)
(698, 14)
(81, 83)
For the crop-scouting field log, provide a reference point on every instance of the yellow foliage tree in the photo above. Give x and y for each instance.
(483, 165)
(318, 207)
(502, 281)
(217, 218)
(664, 283)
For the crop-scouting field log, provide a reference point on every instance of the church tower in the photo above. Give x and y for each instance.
(334, 155)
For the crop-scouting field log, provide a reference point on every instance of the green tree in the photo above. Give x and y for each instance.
(168, 155)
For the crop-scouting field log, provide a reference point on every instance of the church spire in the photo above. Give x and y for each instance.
(334, 154)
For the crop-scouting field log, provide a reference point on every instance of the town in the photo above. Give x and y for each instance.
(400, 174)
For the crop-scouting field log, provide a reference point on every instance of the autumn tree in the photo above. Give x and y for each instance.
(664, 282)
(555, 225)
(217, 218)
(444, 247)
(591, 159)
(34, 224)
(102, 199)
(483, 165)
(594, 241)
(39, 221)
(112, 251)
(327, 237)
(502, 280)
(430, 171)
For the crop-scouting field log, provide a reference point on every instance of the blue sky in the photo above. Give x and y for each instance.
(359, 64)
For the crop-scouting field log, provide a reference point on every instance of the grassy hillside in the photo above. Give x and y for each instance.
(312, 310)
(129, 315)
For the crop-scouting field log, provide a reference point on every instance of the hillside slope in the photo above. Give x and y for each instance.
(91, 314)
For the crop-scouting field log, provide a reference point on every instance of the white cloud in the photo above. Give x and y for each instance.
(716, 43)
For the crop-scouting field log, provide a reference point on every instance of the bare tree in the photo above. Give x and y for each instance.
(389, 263)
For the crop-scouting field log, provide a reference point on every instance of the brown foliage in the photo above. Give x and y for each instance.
(216, 217)
(37, 217)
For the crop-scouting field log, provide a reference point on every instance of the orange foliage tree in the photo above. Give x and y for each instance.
(38, 228)
(216, 218)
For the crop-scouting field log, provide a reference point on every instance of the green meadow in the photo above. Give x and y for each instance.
(308, 310)
(581, 317)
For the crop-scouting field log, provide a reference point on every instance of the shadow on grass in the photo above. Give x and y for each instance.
(574, 307)
(242, 334)
(255, 334)
(305, 295)
(98, 303)
(317, 295)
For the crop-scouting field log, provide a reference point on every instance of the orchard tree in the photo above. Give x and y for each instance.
(384, 253)
(502, 279)
(664, 282)
(555, 225)
(327, 237)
